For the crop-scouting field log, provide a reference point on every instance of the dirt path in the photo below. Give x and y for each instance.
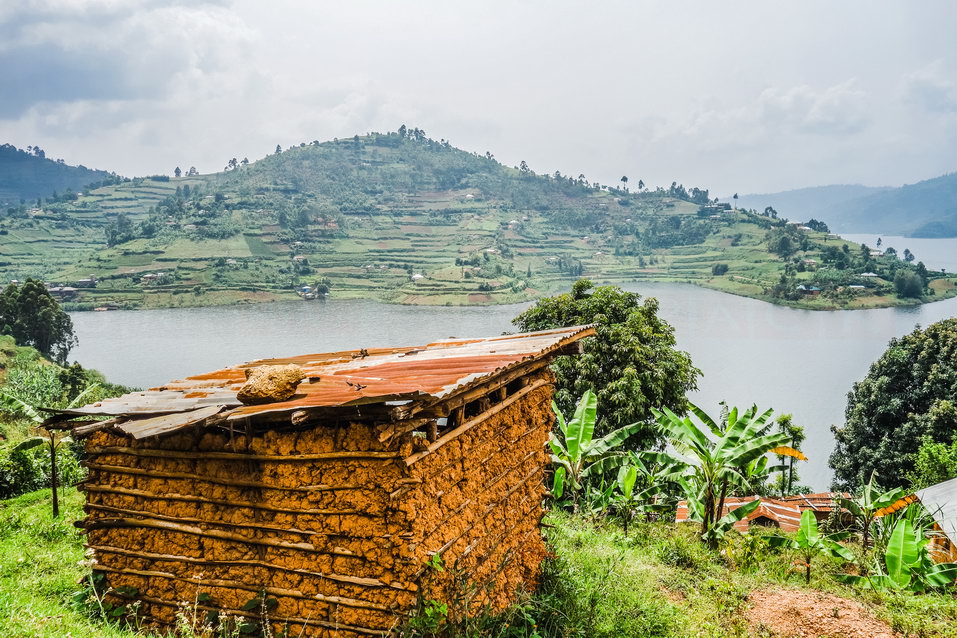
(808, 614)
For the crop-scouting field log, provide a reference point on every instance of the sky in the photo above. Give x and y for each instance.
(734, 96)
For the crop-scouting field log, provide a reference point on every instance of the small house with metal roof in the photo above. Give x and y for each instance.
(784, 513)
(387, 477)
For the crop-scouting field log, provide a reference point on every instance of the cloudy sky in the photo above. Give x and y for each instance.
(733, 96)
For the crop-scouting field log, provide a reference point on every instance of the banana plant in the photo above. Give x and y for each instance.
(719, 457)
(906, 565)
(719, 528)
(641, 480)
(810, 542)
(575, 451)
(865, 506)
(18, 407)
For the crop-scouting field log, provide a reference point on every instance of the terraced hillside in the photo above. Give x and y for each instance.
(403, 218)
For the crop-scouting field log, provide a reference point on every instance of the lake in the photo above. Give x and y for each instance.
(798, 361)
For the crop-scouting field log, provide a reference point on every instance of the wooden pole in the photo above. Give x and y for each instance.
(53, 476)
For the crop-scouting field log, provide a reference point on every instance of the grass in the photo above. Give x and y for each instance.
(39, 571)
(660, 581)
(657, 581)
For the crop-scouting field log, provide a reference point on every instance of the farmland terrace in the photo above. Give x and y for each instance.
(406, 219)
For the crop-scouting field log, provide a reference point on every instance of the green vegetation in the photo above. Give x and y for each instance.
(631, 362)
(403, 218)
(576, 452)
(908, 394)
(28, 382)
(934, 463)
(811, 543)
(34, 318)
(720, 459)
(905, 564)
(657, 581)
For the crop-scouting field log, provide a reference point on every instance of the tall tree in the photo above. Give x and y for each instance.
(631, 363)
(177, 172)
(908, 393)
(34, 318)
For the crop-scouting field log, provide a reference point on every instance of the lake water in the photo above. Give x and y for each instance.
(798, 361)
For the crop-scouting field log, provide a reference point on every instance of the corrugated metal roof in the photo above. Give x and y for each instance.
(941, 501)
(354, 377)
(820, 502)
(786, 515)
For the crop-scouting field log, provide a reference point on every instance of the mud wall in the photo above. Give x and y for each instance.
(480, 505)
(334, 525)
(303, 516)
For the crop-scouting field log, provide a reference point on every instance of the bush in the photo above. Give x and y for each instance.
(683, 552)
(29, 470)
(719, 269)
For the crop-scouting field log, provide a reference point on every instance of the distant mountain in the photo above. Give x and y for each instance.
(924, 209)
(30, 174)
(805, 203)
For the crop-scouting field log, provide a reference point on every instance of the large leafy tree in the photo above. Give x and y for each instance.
(34, 318)
(909, 393)
(631, 362)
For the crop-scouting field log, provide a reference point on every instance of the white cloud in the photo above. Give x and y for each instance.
(140, 86)
(931, 89)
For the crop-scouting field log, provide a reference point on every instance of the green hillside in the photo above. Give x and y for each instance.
(27, 175)
(403, 218)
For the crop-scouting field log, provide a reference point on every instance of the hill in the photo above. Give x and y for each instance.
(815, 202)
(403, 218)
(27, 175)
(924, 209)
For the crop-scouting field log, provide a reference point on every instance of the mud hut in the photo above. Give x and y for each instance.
(391, 477)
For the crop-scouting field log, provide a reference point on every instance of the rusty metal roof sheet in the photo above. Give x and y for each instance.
(820, 502)
(786, 515)
(354, 377)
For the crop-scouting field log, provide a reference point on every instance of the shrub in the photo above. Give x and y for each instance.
(683, 552)
(28, 470)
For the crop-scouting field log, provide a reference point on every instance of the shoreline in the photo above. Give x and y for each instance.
(213, 300)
